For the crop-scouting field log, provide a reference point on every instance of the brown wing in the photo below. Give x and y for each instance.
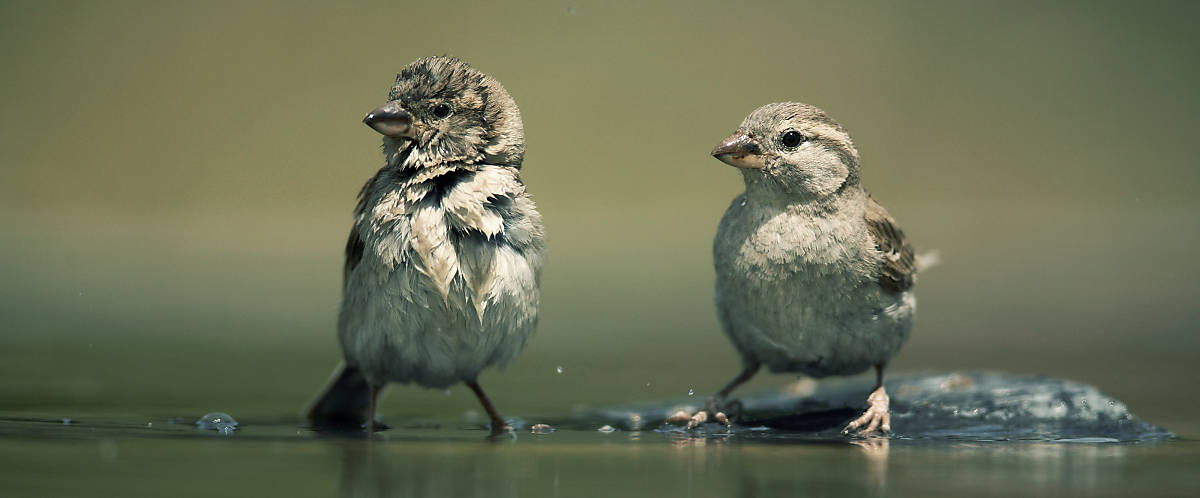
(899, 260)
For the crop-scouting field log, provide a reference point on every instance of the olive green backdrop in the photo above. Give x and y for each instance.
(178, 180)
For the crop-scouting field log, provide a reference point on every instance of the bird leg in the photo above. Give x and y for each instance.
(373, 393)
(498, 424)
(716, 406)
(877, 415)
(747, 374)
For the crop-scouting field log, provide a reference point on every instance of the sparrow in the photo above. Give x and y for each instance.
(443, 262)
(812, 274)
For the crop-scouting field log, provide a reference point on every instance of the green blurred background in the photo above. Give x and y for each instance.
(178, 180)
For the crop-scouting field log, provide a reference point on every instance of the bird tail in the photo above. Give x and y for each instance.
(343, 403)
(928, 259)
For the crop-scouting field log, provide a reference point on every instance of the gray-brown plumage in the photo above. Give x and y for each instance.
(899, 263)
(813, 275)
(444, 260)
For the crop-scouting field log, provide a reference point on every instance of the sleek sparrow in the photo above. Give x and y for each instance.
(813, 275)
(444, 260)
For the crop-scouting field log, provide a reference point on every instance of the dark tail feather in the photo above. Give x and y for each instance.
(343, 403)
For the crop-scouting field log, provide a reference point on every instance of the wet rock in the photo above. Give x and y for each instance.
(965, 406)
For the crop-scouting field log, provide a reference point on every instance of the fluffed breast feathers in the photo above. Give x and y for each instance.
(459, 230)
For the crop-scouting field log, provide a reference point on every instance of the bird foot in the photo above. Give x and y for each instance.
(374, 425)
(508, 434)
(497, 429)
(714, 410)
(877, 416)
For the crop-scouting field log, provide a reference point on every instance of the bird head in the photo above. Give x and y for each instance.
(442, 111)
(793, 147)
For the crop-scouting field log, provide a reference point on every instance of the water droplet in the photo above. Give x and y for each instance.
(558, 369)
(691, 392)
(541, 429)
(149, 424)
(217, 421)
(607, 428)
(66, 421)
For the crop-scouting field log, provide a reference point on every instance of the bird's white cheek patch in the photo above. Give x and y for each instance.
(824, 174)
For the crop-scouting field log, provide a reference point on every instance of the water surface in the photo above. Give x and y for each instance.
(90, 458)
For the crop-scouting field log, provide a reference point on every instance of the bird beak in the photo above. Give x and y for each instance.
(391, 120)
(740, 150)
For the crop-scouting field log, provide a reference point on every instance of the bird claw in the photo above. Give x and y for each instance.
(877, 416)
(499, 427)
(722, 419)
(711, 411)
(678, 418)
(702, 416)
(504, 432)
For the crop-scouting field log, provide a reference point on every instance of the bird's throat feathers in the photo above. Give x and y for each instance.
(767, 192)
(405, 154)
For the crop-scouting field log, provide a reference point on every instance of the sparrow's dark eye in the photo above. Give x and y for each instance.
(791, 138)
(441, 110)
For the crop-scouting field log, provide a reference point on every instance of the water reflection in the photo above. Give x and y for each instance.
(1046, 465)
(376, 471)
(566, 464)
(875, 452)
(572, 462)
(641, 464)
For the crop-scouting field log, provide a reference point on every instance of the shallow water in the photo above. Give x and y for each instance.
(987, 434)
(109, 457)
